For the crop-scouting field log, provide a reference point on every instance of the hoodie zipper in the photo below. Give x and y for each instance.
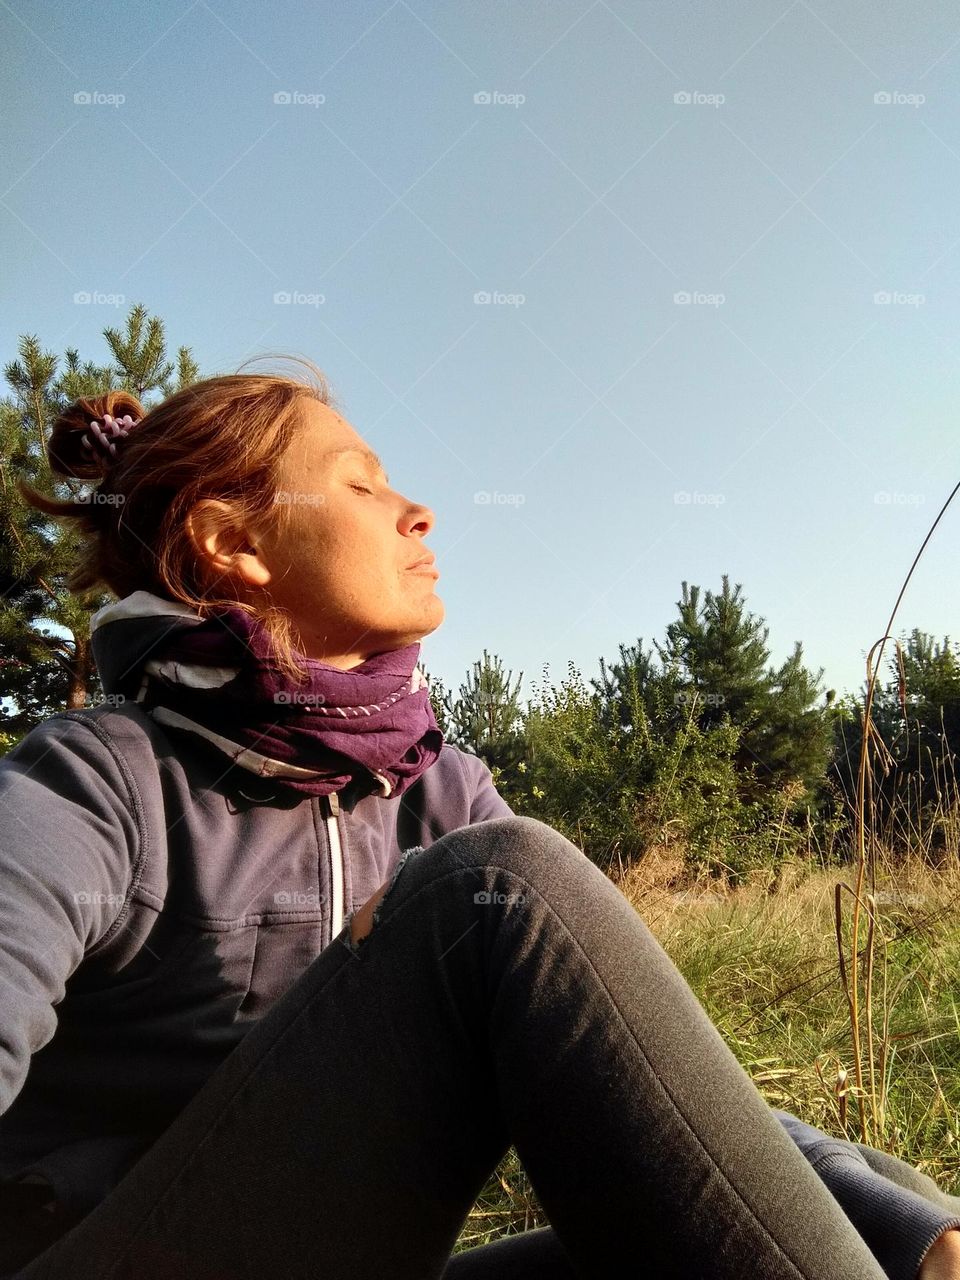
(332, 809)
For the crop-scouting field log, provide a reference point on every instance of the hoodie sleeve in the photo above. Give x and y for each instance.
(69, 841)
(898, 1224)
(486, 801)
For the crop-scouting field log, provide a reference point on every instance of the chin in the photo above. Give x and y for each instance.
(427, 624)
(439, 613)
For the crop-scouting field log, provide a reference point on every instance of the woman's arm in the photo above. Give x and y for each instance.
(68, 842)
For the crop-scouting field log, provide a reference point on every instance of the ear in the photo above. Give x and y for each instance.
(224, 545)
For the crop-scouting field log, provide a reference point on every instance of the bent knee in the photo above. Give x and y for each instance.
(519, 844)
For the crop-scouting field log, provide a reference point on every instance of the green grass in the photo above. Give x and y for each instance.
(763, 960)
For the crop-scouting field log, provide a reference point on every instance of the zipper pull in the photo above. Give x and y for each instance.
(333, 802)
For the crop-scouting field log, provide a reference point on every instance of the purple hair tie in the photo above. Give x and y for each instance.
(115, 426)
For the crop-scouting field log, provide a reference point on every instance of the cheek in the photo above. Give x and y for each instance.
(343, 537)
(346, 541)
(307, 541)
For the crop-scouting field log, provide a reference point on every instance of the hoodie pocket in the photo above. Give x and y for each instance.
(283, 952)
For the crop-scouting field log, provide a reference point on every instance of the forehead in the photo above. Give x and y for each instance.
(326, 438)
(363, 452)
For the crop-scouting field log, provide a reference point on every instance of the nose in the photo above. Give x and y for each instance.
(418, 519)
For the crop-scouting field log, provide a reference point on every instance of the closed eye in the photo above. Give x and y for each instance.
(361, 488)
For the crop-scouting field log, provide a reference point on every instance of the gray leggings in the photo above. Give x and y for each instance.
(507, 993)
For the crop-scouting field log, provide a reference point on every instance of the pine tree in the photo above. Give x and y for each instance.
(720, 651)
(931, 688)
(45, 658)
(636, 680)
(916, 714)
(486, 718)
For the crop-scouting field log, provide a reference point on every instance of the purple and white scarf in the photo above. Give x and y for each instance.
(218, 676)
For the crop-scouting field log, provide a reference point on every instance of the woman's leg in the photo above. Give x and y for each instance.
(506, 992)
(528, 1255)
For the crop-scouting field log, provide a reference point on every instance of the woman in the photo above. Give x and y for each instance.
(283, 975)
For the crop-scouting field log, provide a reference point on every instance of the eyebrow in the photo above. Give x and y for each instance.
(367, 454)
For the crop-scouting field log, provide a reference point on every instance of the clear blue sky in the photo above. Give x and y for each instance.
(782, 198)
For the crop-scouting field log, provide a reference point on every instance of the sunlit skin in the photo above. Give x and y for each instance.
(943, 1259)
(341, 566)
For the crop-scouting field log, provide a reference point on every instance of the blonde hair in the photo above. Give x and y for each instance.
(220, 438)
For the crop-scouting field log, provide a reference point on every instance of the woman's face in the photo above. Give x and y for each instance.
(343, 564)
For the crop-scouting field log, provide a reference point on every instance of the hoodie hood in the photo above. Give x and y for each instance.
(218, 676)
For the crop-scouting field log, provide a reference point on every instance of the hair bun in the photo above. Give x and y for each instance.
(66, 452)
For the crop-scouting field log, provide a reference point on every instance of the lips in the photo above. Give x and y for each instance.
(423, 563)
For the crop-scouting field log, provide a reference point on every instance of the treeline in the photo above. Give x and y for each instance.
(697, 748)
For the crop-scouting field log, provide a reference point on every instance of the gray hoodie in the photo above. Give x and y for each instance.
(155, 901)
